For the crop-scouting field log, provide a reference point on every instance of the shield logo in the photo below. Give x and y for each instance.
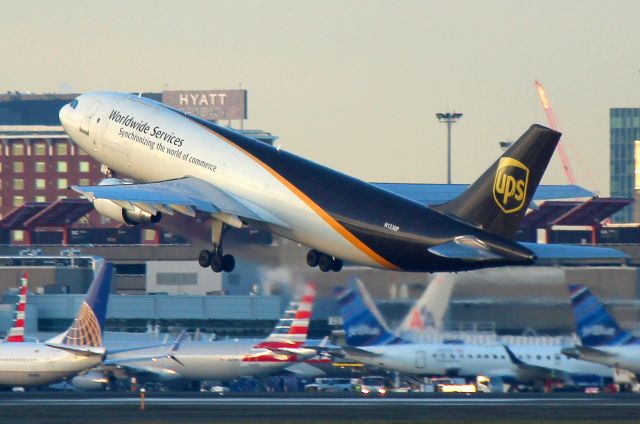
(510, 185)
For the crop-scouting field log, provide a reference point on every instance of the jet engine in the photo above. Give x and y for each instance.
(91, 380)
(130, 216)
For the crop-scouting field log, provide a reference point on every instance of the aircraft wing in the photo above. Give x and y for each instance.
(356, 351)
(433, 194)
(568, 251)
(79, 350)
(587, 353)
(530, 370)
(181, 194)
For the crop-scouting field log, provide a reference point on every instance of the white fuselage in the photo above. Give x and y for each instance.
(33, 364)
(472, 360)
(219, 360)
(149, 159)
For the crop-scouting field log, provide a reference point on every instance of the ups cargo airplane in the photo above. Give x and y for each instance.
(182, 163)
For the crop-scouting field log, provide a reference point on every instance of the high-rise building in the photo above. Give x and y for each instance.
(625, 159)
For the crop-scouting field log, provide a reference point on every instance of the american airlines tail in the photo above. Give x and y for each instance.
(292, 329)
(594, 325)
(363, 324)
(498, 200)
(428, 312)
(16, 333)
(88, 325)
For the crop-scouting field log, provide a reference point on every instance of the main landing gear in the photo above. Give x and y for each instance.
(323, 261)
(215, 258)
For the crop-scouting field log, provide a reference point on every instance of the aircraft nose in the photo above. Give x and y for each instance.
(66, 116)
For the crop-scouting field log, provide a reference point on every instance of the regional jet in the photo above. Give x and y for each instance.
(603, 340)
(370, 342)
(179, 163)
(75, 350)
(227, 359)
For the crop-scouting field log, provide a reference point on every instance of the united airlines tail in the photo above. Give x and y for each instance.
(363, 324)
(16, 333)
(498, 200)
(292, 329)
(594, 325)
(88, 326)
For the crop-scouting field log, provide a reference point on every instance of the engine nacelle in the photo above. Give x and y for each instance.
(91, 380)
(116, 212)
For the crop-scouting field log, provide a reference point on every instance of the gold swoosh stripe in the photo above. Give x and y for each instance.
(315, 207)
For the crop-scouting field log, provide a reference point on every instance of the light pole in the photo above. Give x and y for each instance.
(449, 118)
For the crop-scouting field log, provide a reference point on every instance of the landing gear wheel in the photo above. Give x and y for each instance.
(337, 265)
(204, 259)
(216, 263)
(325, 263)
(313, 256)
(228, 263)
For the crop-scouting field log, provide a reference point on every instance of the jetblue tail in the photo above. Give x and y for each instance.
(16, 333)
(88, 326)
(594, 325)
(292, 329)
(498, 200)
(363, 324)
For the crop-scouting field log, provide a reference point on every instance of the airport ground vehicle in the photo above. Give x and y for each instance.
(330, 385)
(373, 384)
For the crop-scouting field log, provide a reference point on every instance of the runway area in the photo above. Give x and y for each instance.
(160, 408)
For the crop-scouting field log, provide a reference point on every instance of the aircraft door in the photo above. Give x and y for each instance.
(421, 359)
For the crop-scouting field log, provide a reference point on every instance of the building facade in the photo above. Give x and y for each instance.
(625, 136)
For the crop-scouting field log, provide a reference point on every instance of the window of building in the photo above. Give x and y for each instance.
(40, 167)
(40, 183)
(84, 182)
(104, 220)
(18, 200)
(17, 149)
(149, 235)
(61, 166)
(62, 183)
(40, 149)
(62, 149)
(18, 184)
(17, 235)
(18, 167)
(41, 199)
(83, 166)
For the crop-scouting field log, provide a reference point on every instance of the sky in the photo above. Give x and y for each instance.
(355, 85)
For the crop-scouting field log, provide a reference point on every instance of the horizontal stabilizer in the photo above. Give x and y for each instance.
(79, 350)
(466, 248)
(567, 251)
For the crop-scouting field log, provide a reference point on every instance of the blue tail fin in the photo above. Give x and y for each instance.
(88, 326)
(361, 319)
(594, 325)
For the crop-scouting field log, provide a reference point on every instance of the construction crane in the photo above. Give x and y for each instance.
(551, 119)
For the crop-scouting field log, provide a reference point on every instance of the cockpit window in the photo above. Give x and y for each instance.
(73, 103)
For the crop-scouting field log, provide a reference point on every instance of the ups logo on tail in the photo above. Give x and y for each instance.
(510, 185)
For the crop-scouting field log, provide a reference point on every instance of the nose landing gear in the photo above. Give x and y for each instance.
(323, 261)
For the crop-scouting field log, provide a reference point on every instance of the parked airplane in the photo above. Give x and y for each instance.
(603, 341)
(16, 332)
(228, 359)
(77, 349)
(184, 163)
(524, 363)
